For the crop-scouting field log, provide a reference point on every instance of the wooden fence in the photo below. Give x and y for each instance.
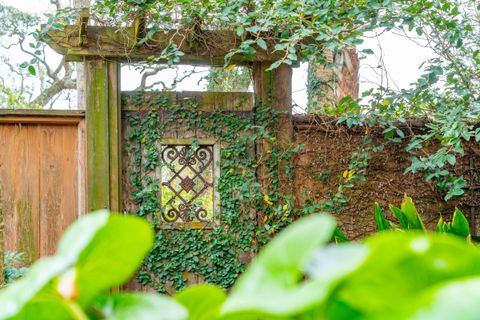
(41, 178)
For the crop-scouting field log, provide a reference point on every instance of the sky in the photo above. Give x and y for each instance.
(400, 56)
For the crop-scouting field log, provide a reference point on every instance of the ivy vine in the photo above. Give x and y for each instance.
(250, 213)
(218, 254)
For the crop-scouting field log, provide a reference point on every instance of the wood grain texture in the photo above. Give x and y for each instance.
(103, 135)
(206, 101)
(2, 247)
(120, 44)
(40, 183)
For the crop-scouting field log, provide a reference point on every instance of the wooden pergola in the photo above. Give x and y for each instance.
(103, 49)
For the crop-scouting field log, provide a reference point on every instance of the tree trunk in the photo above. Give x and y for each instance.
(327, 85)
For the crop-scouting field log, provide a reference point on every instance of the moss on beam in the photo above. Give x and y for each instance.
(207, 48)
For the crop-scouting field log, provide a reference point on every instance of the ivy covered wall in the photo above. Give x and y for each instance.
(327, 153)
(328, 167)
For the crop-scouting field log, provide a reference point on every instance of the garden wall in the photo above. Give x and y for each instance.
(327, 153)
(42, 174)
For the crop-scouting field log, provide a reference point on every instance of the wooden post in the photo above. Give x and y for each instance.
(103, 135)
(274, 88)
(2, 248)
(80, 66)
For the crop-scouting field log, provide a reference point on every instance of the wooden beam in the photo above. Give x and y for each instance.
(206, 101)
(209, 47)
(54, 117)
(103, 135)
(41, 113)
(83, 18)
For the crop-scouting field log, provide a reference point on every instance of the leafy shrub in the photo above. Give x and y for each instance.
(409, 219)
(13, 266)
(97, 253)
(392, 275)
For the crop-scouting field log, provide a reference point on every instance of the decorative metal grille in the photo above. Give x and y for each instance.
(187, 183)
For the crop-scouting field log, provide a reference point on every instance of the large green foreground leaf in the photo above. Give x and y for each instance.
(113, 255)
(137, 306)
(402, 270)
(97, 252)
(75, 239)
(272, 285)
(203, 301)
(455, 300)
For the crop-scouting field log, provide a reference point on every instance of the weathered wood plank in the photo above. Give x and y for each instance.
(3, 176)
(206, 101)
(81, 168)
(2, 245)
(206, 48)
(59, 195)
(29, 201)
(114, 126)
(103, 135)
(68, 162)
(38, 185)
(20, 189)
(41, 113)
(98, 195)
(52, 188)
(4, 197)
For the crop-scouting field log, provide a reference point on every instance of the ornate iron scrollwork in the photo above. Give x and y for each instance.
(187, 183)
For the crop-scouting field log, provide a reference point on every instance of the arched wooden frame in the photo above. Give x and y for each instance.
(102, 49)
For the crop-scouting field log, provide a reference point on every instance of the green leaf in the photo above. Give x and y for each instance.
(31, 70)
(23, 65)
(46, 307)
(16, 296)
(272, 285)
(477, 134)
(127, 239)
(447, 227)
(80, 234)
(339, 236)
(440, 226)
(262, 44)
(411, 214)
(460, 224)
(400, 216)
(367, 51)
(203, 301)
(240, 31)
(139, 306)
(75, 239)
(400, 133)
(400, 268)
(336, 261)
(382, 223)
(451, 300)
(97, 252)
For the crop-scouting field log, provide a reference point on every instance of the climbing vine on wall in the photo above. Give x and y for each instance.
(250, 213)
(230, 244)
